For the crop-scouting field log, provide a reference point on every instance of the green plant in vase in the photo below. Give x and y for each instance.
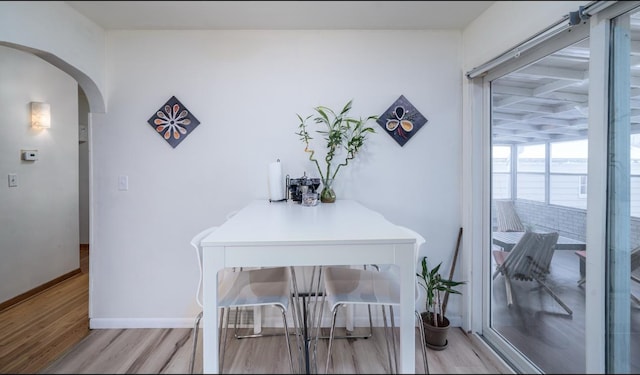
(344, 136)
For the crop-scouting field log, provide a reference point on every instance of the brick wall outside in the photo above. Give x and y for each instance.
(569, 222)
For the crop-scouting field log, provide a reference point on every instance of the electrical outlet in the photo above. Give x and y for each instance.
(13, 180)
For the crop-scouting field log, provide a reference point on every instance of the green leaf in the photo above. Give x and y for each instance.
(434, 284)
(344, 136)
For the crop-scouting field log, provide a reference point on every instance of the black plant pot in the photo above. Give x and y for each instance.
(436, 337)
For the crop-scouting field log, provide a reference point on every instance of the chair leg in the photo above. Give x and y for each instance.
(363, 336)
(195, 342)
(316, 320)
(286, 337)
(386, 339)
(296, 311)
(555, 297)
(333, 326)
(423, 341)
(507, 289)
(393, 341)
(315, 317)
(223, 339)
(293, 302)
(222, 343)
(249, 336)
(311, 312)
(235, 327)
(507, 283)
(496, 272)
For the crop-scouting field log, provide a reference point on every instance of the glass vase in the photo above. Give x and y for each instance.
(327, 195)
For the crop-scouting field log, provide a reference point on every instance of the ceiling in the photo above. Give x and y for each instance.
(544, 101)
(548, 100)
(280, 15)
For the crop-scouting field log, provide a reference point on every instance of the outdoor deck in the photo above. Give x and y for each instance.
(542, 329)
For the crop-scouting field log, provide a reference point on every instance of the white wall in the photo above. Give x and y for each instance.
(39, 217)
(246, 87)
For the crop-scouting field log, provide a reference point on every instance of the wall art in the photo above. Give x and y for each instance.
(173, 122)
(402, 120)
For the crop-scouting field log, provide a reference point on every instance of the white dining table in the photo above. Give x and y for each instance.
(269, 234)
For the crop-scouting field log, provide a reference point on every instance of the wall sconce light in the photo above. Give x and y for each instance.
(40, 115)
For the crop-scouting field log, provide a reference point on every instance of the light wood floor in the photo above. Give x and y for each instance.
(167, 351)
(49, 334)
(38, 330)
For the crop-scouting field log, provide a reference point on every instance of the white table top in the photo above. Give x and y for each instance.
(289, 223)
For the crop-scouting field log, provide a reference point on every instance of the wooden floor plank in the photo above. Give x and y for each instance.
(49, 334)
(37, 331)
(168, 351)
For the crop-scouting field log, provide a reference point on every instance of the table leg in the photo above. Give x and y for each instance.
(211, 262)
(406, 261)
(306, 336)
(302, 301)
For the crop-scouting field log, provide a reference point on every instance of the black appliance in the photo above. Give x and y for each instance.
(295, 186)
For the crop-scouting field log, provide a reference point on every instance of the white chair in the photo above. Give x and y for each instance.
(256, 287)
(351, 286)
(256, 309)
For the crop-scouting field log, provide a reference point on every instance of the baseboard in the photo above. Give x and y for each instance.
(124, 323)
(30, 293)
(268, 321)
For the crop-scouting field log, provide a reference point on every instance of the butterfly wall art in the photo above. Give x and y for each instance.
(173, 121)
(402, 120)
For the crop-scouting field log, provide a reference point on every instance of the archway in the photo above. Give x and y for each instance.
(94, 96)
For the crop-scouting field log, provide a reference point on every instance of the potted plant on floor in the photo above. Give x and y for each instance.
(344, 136)
(436, 324)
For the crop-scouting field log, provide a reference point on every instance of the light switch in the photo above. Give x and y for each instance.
(13, 180)
(123, 183)
(83, 133)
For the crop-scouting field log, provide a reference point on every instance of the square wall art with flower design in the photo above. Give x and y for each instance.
(173, 122)
(402, 120)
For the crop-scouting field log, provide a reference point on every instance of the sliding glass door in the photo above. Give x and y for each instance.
(539, 158)
(562, 147)
(622, 251)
